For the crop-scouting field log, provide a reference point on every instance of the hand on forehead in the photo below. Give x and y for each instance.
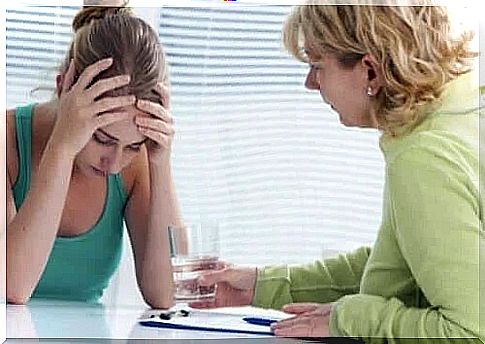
(126, 130)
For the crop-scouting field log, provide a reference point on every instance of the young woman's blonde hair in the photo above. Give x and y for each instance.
(412, 44)
(101, 32)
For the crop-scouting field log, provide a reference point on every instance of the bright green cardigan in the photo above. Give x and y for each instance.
(421, 278)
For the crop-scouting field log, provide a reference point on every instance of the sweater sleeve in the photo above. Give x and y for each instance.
(434, 208)
(323, 281)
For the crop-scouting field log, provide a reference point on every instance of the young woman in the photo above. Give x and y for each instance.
(396, 69)
(81, 163)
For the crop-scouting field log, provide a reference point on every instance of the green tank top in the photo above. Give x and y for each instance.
(79, 268)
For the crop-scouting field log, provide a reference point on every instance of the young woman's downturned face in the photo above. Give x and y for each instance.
(112, 147)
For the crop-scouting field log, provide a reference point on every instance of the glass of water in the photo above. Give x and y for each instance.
(194, 249)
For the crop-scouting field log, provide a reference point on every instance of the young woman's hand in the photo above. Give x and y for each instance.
(158, 127)
(82, 110)
(310, 320)
(234, 287)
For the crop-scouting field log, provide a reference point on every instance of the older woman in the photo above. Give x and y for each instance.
(396, 69)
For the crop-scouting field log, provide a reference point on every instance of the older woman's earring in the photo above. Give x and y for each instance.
(369, 92)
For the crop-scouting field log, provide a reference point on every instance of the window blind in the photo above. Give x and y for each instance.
(254, 150)
(37, 38)
(258, 152)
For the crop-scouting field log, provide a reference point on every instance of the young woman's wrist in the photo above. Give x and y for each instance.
(60, 150)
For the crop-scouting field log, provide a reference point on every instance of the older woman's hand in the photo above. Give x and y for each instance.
(234, 286)
(311, 320)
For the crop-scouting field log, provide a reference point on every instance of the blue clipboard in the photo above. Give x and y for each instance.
(213, 322)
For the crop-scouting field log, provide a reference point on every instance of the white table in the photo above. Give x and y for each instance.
(51, 321)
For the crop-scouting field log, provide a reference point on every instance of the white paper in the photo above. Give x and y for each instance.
(230, 319)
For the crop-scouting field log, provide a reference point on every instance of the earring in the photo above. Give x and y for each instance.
(369, 92)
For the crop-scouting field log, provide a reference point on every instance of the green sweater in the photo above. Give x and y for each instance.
(421, 278)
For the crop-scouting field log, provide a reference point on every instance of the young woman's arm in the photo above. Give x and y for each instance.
(153, 205)
(151, 208)
(31, 232)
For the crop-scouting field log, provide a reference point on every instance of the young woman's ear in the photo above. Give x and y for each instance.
(375, 80)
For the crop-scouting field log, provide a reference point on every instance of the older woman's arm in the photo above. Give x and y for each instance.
(322, 281)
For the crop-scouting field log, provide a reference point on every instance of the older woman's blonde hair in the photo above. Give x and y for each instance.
(412, 44)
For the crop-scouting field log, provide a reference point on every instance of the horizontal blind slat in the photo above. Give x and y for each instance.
(254, 149)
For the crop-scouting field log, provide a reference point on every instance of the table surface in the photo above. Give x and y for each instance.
(52, 320)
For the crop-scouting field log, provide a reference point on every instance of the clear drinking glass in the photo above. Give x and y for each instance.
(194, 249)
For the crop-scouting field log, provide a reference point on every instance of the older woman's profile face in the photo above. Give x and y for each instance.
(343, 88)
